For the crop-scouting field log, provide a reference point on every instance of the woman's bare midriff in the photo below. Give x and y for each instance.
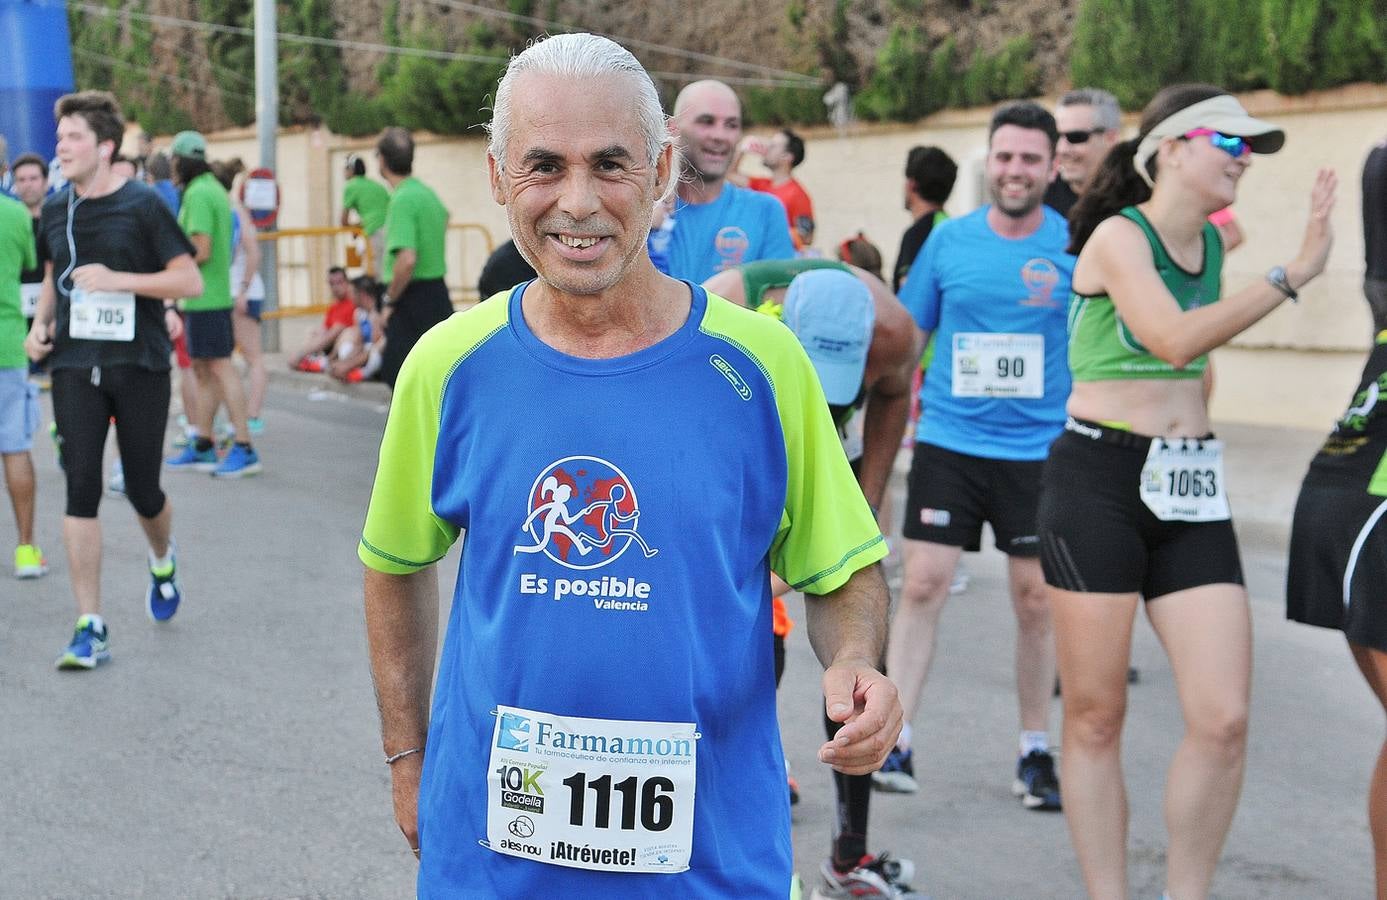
(1156, 407)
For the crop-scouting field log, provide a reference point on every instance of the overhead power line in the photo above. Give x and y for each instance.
(122, 64)
(799, 81)
(781, 74)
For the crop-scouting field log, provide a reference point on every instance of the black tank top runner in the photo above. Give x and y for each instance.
(1355, 453)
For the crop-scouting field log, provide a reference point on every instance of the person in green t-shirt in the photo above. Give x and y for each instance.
(369, 200)
(416, 225)
(205, 216)
(19, 410)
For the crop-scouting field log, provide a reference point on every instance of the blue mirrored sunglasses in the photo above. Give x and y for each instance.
(1233, 146)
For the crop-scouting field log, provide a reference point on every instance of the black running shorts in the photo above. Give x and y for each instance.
(950, 495)
(1337, 574)
(1097, 536)
(210, 335)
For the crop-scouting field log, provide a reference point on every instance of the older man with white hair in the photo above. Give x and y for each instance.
(603, 723)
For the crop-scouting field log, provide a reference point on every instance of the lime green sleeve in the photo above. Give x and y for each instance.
(402, 534)
(827, 531)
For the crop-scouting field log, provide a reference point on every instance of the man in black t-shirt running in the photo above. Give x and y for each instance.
(114, 259)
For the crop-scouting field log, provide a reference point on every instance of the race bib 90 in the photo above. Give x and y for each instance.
(999, 365)
(603, 794)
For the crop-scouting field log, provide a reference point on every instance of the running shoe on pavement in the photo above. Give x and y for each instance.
(164, 591)
(88, 648)
(193, 460)
(239, 462)
(29, 562)
(1036, 782)
(960, 582)
(57, 443)
(256, 425)
(874, 877)
(115, 485)
(897, 774)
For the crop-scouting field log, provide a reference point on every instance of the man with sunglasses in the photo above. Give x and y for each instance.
(1090, 123)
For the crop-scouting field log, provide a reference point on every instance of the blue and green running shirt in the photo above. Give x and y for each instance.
(621, 518)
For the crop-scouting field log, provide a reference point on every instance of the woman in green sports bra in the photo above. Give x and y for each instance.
(1133, 504)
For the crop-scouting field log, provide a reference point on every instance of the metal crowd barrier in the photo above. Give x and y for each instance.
(305, 254)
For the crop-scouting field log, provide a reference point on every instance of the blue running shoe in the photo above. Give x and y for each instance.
(193, 460)
(1036, 782)
(256, 426)
(239, 462)
(88, 648)
(897, 774)
(164, 591)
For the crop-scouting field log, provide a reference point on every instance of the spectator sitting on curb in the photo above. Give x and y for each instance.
(312, 356)
(356, 355)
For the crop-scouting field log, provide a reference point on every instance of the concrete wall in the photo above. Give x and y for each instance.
(1296, 367)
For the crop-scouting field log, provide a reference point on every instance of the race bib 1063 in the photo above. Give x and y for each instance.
(603, 794)
(1182, 481)
(999, 365)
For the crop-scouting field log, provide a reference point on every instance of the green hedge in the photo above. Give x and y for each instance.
(1130, 47)
(913, 79)
(1135, 47)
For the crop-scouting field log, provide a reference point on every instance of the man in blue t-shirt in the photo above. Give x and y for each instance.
(715, 224)
(992, 288)
(603, 721)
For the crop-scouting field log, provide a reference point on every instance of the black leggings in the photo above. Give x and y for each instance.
(854, 806)
(84, 402)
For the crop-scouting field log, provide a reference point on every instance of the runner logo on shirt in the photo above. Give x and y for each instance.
(732, 243)
(1041, 277)
(582, 513)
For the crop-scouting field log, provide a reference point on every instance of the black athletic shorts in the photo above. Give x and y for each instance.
(1097, 536)
(422, 305)
(951, 494)
(1337, 573)
(84, 403)
(210, 335)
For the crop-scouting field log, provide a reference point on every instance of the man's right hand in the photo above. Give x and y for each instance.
(404, 786)
(38, 343)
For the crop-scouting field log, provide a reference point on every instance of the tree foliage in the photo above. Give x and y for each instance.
(1135, 47)
(169, 80)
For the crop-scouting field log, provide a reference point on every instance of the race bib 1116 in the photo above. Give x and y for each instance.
(604, 794)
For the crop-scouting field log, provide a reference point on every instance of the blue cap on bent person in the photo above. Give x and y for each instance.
(189, 144)
(831, 312)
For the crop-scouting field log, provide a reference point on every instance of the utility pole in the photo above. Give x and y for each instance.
(267, 131)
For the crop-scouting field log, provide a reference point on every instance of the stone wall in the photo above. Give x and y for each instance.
(1296, 367)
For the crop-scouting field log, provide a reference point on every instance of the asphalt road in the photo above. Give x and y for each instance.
(234, 752)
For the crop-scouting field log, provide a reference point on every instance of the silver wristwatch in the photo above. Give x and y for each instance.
(1276, 277)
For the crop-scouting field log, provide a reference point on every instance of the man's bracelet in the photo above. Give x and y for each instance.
(391, 760)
